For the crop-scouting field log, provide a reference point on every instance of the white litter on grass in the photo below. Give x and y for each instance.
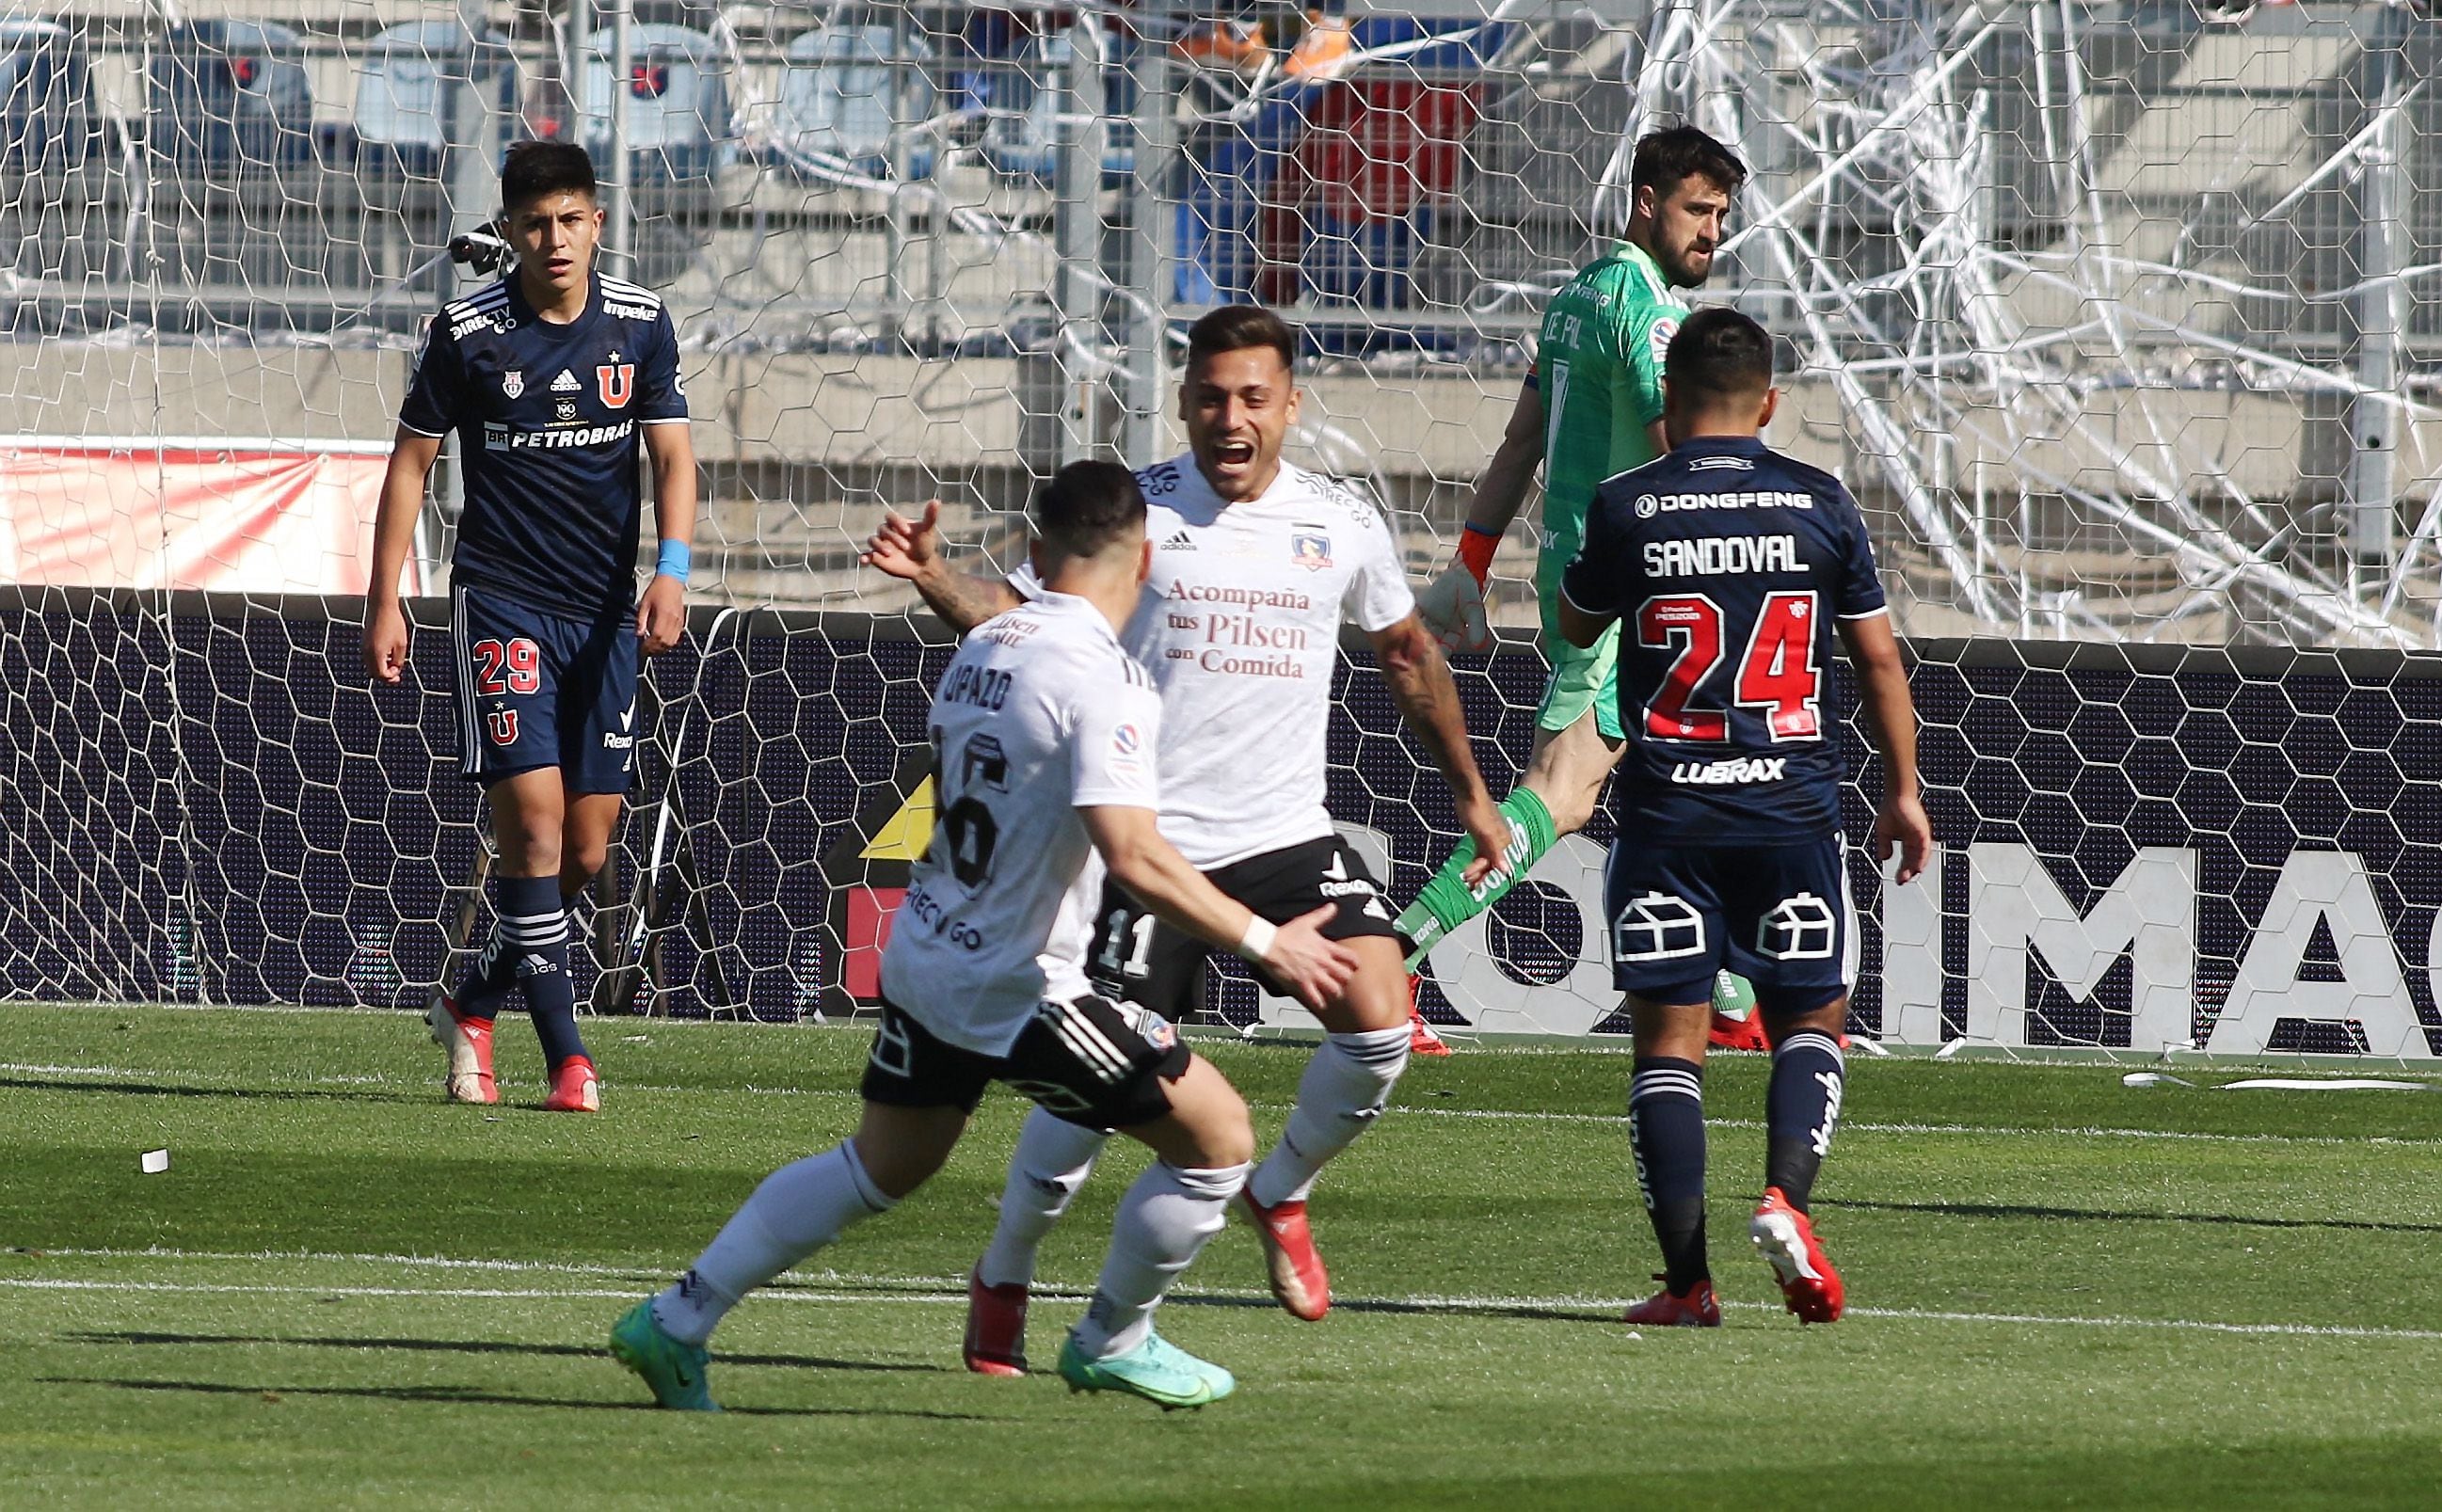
(154, 1162)
(2151, 1079)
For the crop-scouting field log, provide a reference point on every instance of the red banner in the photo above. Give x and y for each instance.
(238, 518)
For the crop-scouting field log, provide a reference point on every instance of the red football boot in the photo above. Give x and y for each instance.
(575, 1088)
(1422, 1040)
(995, 1327)
(1695, 1308)
(1784, 1236)
(1298, 1281)
(1738, 1033)
(468, 1042)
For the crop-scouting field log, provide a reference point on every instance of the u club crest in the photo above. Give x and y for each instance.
(513, 382)
(617, 381)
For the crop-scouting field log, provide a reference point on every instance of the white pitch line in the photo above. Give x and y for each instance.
(1487, 1115)
(1594, 1306)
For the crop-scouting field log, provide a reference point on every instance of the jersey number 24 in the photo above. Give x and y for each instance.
(1776, 677)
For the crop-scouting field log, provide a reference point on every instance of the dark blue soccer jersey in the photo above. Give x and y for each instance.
(1726, 563)
(546, 417)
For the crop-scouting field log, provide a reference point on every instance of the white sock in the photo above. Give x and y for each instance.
(1051, 1161)
(797, 1210)
(1339, 1097)
(1164, 1220)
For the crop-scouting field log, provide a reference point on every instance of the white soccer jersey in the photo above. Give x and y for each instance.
(1041, 713)
(1240, 628)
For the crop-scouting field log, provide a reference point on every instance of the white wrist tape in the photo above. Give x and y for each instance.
(1256, 942)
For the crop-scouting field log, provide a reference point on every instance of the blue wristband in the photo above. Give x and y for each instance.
(676, 555)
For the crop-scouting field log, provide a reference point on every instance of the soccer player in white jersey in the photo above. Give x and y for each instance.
(1256, 563)
(1044, 732)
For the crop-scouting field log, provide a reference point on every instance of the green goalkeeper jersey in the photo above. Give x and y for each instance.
(1599, 367)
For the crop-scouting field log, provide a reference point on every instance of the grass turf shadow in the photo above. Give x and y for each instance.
(2014, 1210)
(457, 1395)
(454, 1346)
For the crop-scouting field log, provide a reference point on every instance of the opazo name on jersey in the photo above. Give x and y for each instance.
(1726, 563)
(1041, 713)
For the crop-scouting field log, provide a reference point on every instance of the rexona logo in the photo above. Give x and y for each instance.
(864, 878)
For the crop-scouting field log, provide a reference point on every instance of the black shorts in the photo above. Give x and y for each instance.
(1091, 1062)
(1777, 915)
(538, 689)
(1137, 957)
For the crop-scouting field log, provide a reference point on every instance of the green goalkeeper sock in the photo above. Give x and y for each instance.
(1448, 902)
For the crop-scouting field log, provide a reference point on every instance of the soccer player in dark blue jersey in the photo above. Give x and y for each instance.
(551, 379)
(1725, 564)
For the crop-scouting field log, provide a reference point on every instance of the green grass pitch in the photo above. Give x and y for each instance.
(2064, 1292)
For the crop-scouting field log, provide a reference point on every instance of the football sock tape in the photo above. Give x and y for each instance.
(1448, 902)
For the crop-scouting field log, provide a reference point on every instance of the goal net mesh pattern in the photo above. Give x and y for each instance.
(2118, 318)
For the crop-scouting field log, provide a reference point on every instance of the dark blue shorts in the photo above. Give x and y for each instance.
(543, 690)
(1778, 916)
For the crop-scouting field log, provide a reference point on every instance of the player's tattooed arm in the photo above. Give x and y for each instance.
(1899, 823)
(402, 499)
(910, 550)
(1420, 681)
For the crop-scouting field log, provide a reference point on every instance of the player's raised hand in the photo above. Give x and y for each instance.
(907, 548)
(385, 640)
(1315, 969)
(661, 615)
(1489, 829)
(1901, 825)
(1452, 606)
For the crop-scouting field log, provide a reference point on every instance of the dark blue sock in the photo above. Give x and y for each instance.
(534, 931)
(488, 980)
(1807, 1073)
(1666, 1129)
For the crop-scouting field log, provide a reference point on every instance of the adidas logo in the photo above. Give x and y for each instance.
(1180, 542)
(565, 383)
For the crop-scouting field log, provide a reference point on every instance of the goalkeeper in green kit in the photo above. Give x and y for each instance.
(1591, 408)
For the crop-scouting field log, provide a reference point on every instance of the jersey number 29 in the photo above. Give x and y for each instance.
(1776, 676)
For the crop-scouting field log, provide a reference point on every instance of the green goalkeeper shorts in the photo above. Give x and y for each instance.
(1581, 679)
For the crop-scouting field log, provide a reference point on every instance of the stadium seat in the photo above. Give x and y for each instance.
(1022, 131)
(843, 91)
(228, 98)
(46, 114)
(679, 129)
(401, 112)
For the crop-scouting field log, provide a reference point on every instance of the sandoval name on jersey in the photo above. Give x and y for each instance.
(1041, 713)
(1727, 564)
(1239, 627)
(547, 416)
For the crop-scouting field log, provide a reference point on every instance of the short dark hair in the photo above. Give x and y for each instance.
(1086, 506)
(1718, 354)
(1237, 327)
(535, 168)
(1665, 160)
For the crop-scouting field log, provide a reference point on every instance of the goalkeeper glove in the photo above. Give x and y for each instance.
(1452, 606)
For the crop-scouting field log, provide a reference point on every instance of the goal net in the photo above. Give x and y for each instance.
(2118, 318)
